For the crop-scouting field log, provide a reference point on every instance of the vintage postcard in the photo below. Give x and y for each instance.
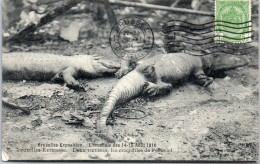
(122, 80)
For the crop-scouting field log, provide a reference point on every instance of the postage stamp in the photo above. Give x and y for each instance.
(131, 38)
(233, 21)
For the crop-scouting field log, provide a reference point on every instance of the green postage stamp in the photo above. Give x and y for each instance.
(233, 21)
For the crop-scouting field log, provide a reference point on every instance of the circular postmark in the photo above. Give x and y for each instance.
(131, 38)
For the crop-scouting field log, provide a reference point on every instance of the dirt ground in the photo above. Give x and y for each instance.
(215, 123)
(192, 122)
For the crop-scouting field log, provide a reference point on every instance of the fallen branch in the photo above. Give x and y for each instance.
(110, 13)
(8, 103)
(166, 8)
(175, 3)
(158, 7)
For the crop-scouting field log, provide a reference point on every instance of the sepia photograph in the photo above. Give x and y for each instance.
(130, 80)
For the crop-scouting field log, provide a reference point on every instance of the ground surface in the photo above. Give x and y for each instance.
(194, 123)
(218, 123)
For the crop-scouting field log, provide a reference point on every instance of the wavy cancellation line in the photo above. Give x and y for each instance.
(200, 44)
(211, 53)
(217, 51)
(194, 54)
(220, 25)
(181, 41)
(217, 21)
(233, 38)
(215, 47)
(213, 37)
(189, 32)
(201, 29)
(202, 33)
